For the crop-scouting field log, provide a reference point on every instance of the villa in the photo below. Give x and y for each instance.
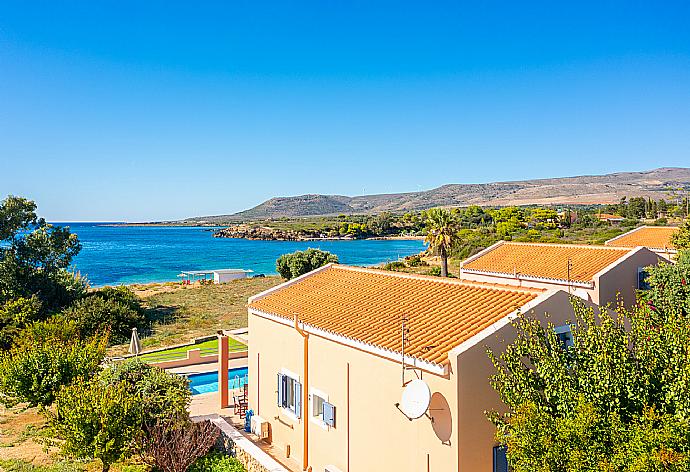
(654, 238)
(600, 274)
(354, 369)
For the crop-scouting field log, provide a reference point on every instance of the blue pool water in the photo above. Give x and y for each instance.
(208, 382)
(113, 255)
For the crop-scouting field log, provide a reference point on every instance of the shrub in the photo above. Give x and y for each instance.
(122, 295)
(217, 462)
(300, 262)
(416, 261)
(95, 314)
(175, 446)
(162, 396)
(394, 265)
(14, 314)
(56, 329)
(34, 371)
(96, 421)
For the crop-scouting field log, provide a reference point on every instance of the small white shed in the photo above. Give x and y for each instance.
(218, 276)
(224, 275)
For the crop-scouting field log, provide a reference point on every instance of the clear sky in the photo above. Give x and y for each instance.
(145, 110)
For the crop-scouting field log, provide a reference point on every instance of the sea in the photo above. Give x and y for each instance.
(116, 254)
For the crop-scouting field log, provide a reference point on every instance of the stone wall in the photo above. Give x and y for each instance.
(235, 444)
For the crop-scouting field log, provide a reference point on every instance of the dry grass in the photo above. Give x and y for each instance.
(181, 313)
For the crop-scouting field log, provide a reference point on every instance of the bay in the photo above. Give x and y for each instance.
(114, 255)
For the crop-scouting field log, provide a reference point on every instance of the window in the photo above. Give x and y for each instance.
(290, 394)
(500, 459)
(322, 412)
(565, 335)
(642, 279)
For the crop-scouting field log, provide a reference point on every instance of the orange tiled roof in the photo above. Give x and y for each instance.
(367, 305)
(547, 261)
(653, 237)
(609, 216)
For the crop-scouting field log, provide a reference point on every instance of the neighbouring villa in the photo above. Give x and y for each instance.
(599, 274)
(354, 369)
(655, 238)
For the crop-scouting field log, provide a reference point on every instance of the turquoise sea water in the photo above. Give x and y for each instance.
(139, 254)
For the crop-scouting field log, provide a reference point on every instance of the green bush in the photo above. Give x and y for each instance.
(14, 315)
(300, 262)
(56, 329)
(416, 261)
(96, 313)
(96, 421)
(122, 295)
(394, 265)
(162, 396)
(34, 371)
(217, 462)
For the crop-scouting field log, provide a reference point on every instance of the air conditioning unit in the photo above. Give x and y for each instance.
(331, 468)
(260, 427)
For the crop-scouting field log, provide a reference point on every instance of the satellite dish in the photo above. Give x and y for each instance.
(415, 399)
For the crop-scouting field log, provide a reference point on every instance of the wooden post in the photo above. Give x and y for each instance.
(223, 352)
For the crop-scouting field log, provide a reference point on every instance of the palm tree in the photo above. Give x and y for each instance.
(442, 231)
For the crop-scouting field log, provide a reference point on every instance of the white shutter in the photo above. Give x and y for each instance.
(298, 399)
(280, 390)
(328, 414)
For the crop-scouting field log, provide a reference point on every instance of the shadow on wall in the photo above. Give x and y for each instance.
(442, 419)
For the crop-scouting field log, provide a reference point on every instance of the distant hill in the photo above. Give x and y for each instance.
(585, 189)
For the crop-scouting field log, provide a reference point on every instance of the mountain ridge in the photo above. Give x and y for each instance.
(583, 189)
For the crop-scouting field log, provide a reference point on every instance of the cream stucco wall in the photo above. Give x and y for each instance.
(370, 434)
(622, 278)
(590, 294)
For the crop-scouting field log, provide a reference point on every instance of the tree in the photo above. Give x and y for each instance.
(34, 256)
(681, 238)
(44, 361)
(175, 446)
(300, 262)
(163, 396)
(617, 399)
(96, 421)
(14, 315)
(442, 233)
(97, 313)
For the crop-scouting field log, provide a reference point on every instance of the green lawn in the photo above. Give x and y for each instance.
(207, 348)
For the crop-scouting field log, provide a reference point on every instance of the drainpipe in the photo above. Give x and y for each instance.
(305, 395)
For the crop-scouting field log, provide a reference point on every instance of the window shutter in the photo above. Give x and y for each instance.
(298, 399)
(328, 414)
(280, 389)
(500, 459)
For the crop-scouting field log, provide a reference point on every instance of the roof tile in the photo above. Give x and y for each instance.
(652, 237)
(548, 261)
(367, 305)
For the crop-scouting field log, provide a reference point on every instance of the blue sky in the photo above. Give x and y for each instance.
(150, 110)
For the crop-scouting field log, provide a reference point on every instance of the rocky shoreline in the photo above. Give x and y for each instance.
(266, 233)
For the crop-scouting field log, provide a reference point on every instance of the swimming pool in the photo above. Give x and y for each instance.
(208, 382)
